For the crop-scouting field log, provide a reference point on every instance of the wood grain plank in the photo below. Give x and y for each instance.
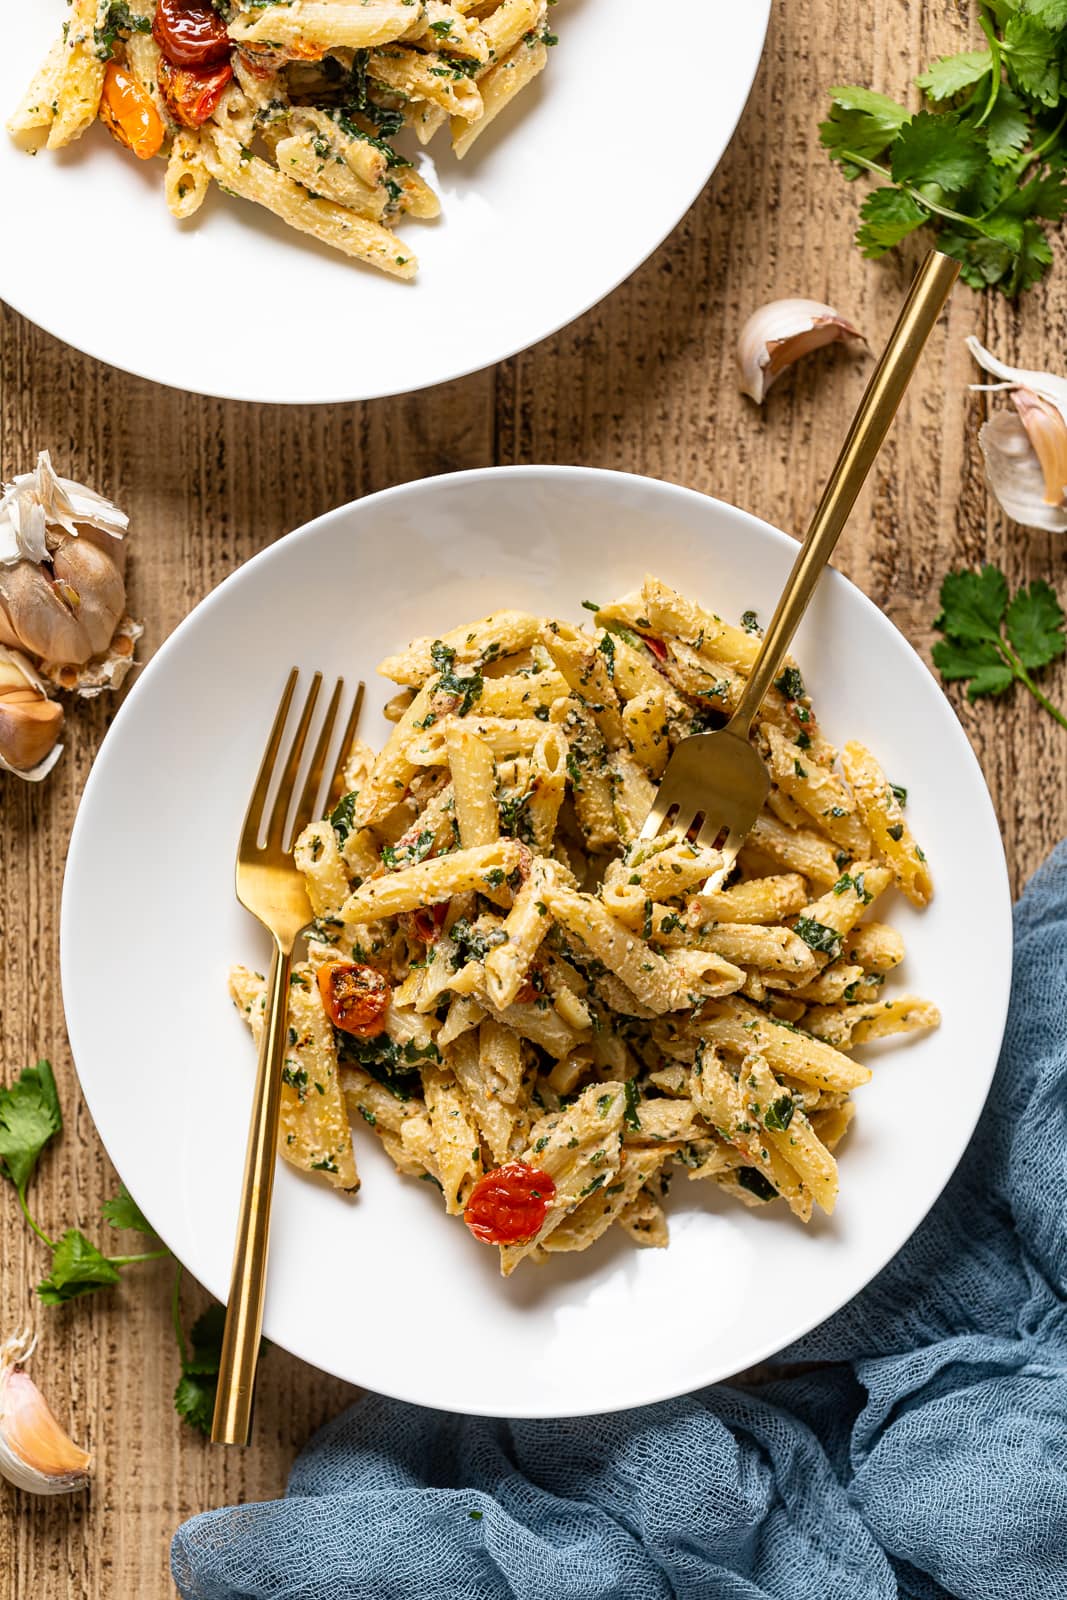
(644, 382)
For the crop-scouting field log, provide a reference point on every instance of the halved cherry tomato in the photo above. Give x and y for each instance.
(356, 998)
(127, 112)
(509, 1205)
(191, 95)
(658, 648)
(190, 33)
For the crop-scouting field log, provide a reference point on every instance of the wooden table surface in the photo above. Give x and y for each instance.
(644, 383)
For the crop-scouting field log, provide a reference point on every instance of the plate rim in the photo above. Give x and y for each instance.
(341, 396)
(1000, 891)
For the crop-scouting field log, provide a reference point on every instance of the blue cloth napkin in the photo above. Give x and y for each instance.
(925, 1456)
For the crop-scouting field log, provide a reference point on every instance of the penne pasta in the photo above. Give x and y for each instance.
(564, 1011)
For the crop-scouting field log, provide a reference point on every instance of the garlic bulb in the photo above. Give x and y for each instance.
(35, 1453)
(30, 723)
(1026, 453)
(63, 619)
(780, 333)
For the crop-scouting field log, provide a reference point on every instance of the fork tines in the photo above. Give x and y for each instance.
(282, 778)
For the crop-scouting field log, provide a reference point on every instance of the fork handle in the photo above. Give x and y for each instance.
(926, 299)
(232, 1422)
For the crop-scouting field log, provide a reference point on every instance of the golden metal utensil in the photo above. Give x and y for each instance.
(272, 889)
(717, 781)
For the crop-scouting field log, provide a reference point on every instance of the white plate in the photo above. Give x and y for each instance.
(556, 205)
(385, 1290)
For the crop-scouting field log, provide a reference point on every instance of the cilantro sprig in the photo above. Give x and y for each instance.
(30, 1118)
(992, 641)
(982, 162)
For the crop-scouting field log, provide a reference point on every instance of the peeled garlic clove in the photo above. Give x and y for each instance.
(780, 333)
(1047, 432)
(35, 1453)
(30, 723)
(1015, 476)
(1026, 455)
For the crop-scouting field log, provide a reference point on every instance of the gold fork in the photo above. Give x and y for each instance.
(717, 782)
(271, 888)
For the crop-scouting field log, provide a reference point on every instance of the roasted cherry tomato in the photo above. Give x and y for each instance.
(356, 998)
(127, 112)
(190, 33)
(509, 1205)
(191, 95)
(429, 920)
(658, 648)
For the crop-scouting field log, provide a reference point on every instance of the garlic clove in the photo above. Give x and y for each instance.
(1015, 476)
(1047, 431)
(30, 723)
(38, 618)
(35, 1453)
(90, 574)
(1026, 455)
(780, 333)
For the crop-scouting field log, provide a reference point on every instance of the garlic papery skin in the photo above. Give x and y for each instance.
(35, 1453)
(30, 723)
(37, 500)
(1026, 453)
(780, 333)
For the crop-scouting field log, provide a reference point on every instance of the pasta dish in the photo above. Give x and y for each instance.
(544, 1016)
(292, 104)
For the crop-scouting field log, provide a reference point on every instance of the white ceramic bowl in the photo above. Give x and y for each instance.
(384, 1290)
(557, 203)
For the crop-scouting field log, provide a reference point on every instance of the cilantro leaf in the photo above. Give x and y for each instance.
(1035, 623)
(889, 215)
(124, 1212)
(194, 1397)
(1033, 58)
(939, 149)
(973, 604)
(947, 76)
(29, 1118)
(194, 1401)
(78, 1268)
(1007, 128)
(1033, 260)
(983, 262)
(983, 163)
(817, 936)
(342, 817)
(983, 664)
(1053, 13)
(861, 123)
(976, 651)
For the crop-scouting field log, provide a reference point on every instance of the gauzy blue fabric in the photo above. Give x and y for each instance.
(914, 1445)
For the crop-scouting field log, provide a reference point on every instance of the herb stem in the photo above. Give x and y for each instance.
(128, 1261)
(51, 1243)
(994, 50)
(1030, 157)
(1024, 677)
(913, 193)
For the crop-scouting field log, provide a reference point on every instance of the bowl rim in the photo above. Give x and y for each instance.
(998, 880)
(240, 396)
